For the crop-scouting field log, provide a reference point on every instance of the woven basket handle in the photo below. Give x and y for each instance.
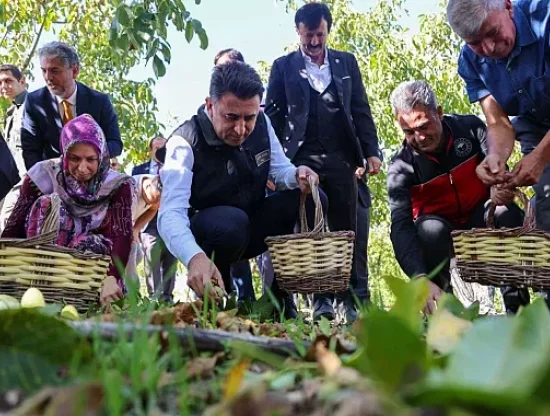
(529, 222)
(319, 218)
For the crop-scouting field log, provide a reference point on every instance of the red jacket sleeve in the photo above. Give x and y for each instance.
(16, 224)
(117, 227)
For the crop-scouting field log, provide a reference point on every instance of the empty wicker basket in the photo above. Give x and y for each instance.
(61, 274)
(313, 261)
(505, 257)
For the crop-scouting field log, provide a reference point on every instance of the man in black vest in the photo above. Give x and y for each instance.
(319, 108)
(214, 210)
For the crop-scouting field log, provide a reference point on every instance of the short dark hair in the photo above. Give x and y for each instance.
(233, 54)
(153, 140)
(311, 14)
(237, 78)
(15, 71)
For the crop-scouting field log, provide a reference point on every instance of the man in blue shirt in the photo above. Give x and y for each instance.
(504, 64)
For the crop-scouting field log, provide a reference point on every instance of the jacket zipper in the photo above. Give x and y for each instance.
(456, 194)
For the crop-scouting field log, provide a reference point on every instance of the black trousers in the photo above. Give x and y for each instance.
(360, 273)
(337, 178)
(229, 234)
(435, 237)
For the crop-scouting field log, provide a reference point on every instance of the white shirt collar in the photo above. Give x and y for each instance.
(71, 99)
(308, 60)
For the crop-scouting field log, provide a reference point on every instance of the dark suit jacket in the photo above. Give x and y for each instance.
(42, 122)
(142, 169)
(9, 175)
(287, 103)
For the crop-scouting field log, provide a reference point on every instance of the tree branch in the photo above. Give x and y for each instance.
(35, 44)
(202, 339)
(7, 31)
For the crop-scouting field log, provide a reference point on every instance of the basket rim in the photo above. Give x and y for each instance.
(506, 232)
(12, 243)
(348, 235)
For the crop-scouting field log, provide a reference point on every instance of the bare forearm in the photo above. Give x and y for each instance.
(145, 218)
(501, 138)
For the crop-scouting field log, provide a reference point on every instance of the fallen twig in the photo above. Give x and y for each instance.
(201, 339)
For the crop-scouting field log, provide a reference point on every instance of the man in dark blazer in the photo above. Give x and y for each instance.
(9, 175)
(160, 264)
(47, 109)
(318, 106)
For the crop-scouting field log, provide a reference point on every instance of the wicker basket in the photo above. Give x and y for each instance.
(507, 256)
(313, 261)
(61, 274)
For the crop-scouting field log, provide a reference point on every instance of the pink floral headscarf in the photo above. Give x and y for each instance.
(89, 199)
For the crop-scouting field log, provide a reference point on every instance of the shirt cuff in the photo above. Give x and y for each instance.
(290, 179)
(475, 95)
(189, 251)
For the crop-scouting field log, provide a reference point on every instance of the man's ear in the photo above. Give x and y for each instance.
(76, 71)
(209, 106)
(439, 111)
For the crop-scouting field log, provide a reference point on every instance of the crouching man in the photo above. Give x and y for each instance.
(214, 210)
(434, 189)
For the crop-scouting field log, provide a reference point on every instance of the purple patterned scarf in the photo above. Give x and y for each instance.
(84, 204)
(87, 203)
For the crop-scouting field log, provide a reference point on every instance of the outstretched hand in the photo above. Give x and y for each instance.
(203, 276)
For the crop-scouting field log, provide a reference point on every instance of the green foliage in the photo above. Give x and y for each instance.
(481, 375)
(33, 347)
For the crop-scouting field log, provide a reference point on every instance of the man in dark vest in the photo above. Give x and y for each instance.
(320, 111)
(214, 209)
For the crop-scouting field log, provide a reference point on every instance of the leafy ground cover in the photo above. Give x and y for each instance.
(145, 358)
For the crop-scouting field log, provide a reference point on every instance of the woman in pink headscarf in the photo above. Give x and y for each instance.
(88, 204)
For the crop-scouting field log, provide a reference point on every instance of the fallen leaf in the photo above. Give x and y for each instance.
(202, 366)
(339, 349)
(235, 378)
(327, 360)
(82, 399)
(164, 317)
(445, 331)
(187, 312)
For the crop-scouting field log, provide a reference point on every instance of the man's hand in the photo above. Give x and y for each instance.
(359, 172)
(110, 292)
(433, 297)
(492, 170)
(203, 275)
(526, 172)
(303, 173)
(374, 164)
(501, 196)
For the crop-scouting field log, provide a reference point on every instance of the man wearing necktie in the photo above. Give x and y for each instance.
(160, 264)
(46, 110)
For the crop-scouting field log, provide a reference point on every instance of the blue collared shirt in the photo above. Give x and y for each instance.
(520, 83)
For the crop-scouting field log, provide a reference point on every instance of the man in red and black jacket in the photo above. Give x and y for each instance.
(434, 189)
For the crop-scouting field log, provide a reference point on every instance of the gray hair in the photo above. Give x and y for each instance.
(60, 50)
(410, 94)
(467, 16)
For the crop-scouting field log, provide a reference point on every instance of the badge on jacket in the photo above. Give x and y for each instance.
(263, 157)
(463, 147)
